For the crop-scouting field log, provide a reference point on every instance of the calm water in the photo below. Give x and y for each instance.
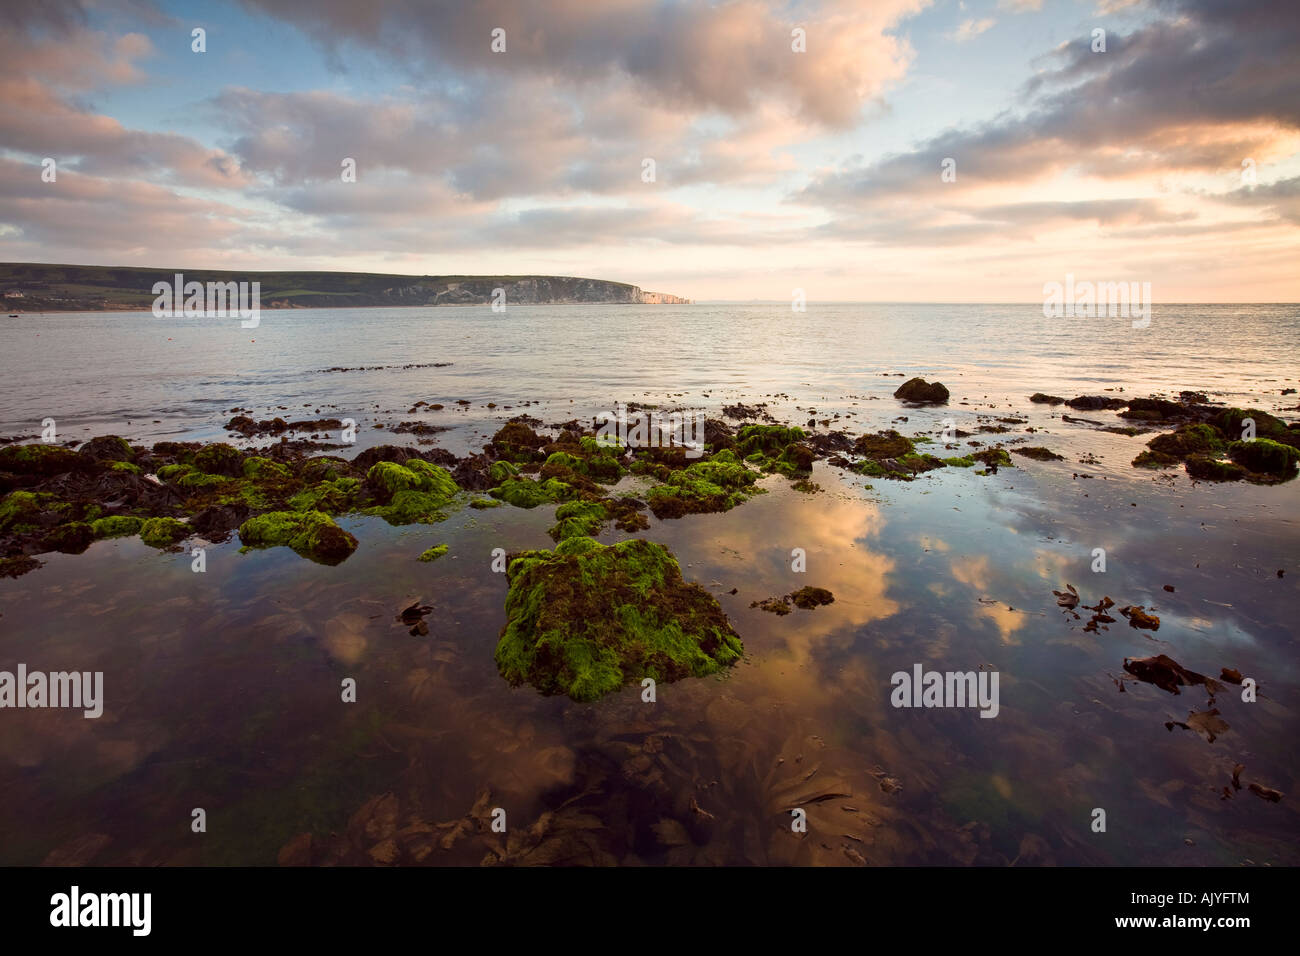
(223, 688)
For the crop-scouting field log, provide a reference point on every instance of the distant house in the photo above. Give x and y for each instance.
(13, 294)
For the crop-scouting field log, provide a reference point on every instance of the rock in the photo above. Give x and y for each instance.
(1267, 793)
(108, 448)
(311, 534)
(921, 392)
(809, 597)
(586, 619)
(1091, 403)
(1167, 674)
(1138, 617)
(1038, 453)
(1039, 398)
(216, 522)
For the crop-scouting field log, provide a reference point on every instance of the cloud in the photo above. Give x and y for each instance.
(970, 29)
(1124, 118)
(707, 57)
(42, 76)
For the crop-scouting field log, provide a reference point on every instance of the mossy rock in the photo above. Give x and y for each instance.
(116, 526)
(332, 497)
(1206, 468)
(515, 441)
(605, 469)
(578, 519)
(526, 493)
(38, 459)
(415, 493)
(919, 464)
(502, 471)
(194, 480)
(768, 439)
(434, 553)
(587, 619)
(322, 469)
(1155, 460)
(18, 565)
(311, 534)
(882, 445)
(718, 483)
(71, 538)
(1038, 453)
(220, 459)
(21, 510)
(1230, 422)
(993, 456)
(809, 597)
(174, 472)
(1173, 447)
(264, 469)
(129, 467)
(387, 479)
(964, 461)
(411, 507)
(1265, 456)
(109, 448)
(795, 460)
(163, 532)
(482, 504)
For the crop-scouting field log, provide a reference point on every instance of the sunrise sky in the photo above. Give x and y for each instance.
(774, 169)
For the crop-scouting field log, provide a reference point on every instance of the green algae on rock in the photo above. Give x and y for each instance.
(526, 493)
(586, 619)
(1208, 468)
(163, 532)
(1038, 453)
(311, 534)
(71, 538)
(20, 510)
(575, 519)
(993, 457)
(116, 526)
(1171, 448)
(1259, 461)
(1265, 456)
(434, 553)
(39, 459)
(718, 483)
(332, 497)
(220, 459)
(1233, 423)
(806, 598)
(414, 493)
(882, 445)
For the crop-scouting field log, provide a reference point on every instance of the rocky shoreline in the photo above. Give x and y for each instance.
(290, 493)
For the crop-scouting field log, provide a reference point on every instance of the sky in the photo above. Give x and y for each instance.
(856, 150)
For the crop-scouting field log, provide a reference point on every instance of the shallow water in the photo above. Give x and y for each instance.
(223, 688)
